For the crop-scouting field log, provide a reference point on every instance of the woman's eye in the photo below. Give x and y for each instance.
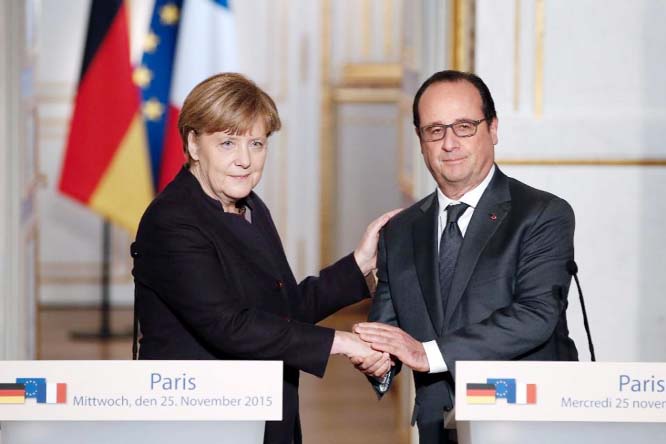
(227, 144)
(257, 144)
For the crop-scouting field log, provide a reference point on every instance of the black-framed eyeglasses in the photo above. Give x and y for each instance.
(461, 128)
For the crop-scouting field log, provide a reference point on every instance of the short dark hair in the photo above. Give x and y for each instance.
(450, 75)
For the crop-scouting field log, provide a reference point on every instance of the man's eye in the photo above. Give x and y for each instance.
(435, 130)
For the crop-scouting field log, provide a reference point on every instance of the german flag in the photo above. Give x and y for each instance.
(480, 393)
(12, 393)
(106, 165)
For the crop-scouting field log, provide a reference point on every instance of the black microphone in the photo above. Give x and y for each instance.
(572, 269)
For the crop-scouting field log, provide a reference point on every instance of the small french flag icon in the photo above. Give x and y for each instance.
(56, 393)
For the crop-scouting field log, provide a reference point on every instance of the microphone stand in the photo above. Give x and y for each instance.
(572, 268)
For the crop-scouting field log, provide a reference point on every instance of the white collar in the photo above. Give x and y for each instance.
(471, 197)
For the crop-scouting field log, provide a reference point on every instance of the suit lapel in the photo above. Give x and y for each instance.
(268, 234)
(424, 235)
(491, 210)
(249, 240)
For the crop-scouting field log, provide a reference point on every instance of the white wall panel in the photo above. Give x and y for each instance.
(367, 169)
(19, 179)
(611, 54)
(495, 34)
(300, 168)
(365, 31)
(603, 90)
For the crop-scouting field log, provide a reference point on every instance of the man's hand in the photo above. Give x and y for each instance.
(393, 340)
(366, 251)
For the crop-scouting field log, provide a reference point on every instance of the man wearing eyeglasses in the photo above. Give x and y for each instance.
(474, 271)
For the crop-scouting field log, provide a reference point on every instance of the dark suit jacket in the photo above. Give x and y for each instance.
(210, 285)
(508, 294)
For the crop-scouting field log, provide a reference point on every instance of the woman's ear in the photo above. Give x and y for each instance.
(192, 145)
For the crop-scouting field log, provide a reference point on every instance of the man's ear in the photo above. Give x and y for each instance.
(192, 145)
(493, 130)
(418, 135)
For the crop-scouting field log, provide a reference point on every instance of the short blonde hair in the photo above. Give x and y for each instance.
(226, 102)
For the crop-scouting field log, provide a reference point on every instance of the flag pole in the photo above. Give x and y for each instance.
(104, 333)
(105, 306)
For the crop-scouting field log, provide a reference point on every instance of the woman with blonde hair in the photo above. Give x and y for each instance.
(211, 277)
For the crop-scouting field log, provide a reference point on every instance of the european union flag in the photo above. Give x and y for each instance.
(154, 75)
(34, 388)
(504, 388)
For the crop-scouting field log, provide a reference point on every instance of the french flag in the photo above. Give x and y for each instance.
(526, 394)
(56, 393)
(206, 45)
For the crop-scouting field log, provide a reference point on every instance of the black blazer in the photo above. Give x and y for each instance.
(509, 291)
(210, 285)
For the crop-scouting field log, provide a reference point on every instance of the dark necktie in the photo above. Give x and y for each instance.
(449, 246)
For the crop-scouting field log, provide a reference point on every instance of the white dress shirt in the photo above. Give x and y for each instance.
(471, 198)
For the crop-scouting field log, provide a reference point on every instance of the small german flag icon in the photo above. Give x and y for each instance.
(12, 393)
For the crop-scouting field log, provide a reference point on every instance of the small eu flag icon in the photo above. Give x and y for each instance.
(505, 388)
(34, 388)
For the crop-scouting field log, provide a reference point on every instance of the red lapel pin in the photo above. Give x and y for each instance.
(493, 216)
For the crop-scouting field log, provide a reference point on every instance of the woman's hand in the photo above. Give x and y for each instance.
(350, 345)
(369, 361)
(374, 365)
(366, 251)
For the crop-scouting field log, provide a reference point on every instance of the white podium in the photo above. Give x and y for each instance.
(148, 402)
(559, 402)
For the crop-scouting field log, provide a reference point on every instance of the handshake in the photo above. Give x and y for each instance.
(373, 348)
